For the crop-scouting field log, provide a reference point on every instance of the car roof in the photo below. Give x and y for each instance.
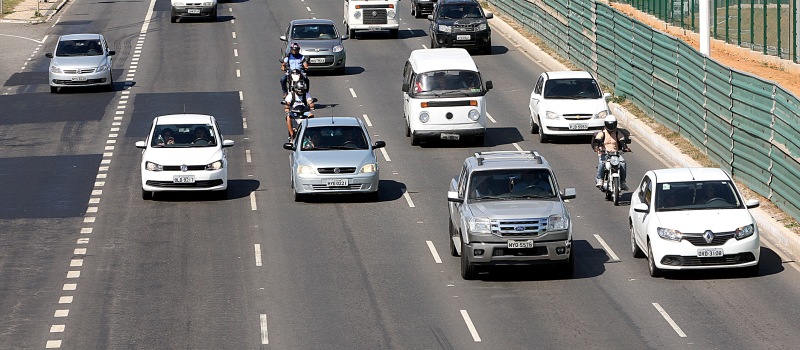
(429, 60)
(311, 21)
(499, 160)
(568, 74)
(79, 37)
(327, 121)
(184, 119)
(456, 1)
(690, 174)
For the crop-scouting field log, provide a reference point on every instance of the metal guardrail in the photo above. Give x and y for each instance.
(747, 125)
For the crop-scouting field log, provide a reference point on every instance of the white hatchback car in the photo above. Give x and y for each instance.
(184, 152)
(567, 103)
(693, 218)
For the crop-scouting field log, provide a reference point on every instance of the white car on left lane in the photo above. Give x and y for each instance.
(184, 152)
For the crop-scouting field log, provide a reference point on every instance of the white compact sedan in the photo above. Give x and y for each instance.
(184, 152)
(567, 103)
(693, 218)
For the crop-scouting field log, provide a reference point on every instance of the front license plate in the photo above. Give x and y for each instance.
(183, 179)
(462, 37)
(78, 78)
(194, 11)
(710, 252)
(338, 182)
(446, 136)
(374, 28)
(578, 126)
(520, 244)
(317, 60)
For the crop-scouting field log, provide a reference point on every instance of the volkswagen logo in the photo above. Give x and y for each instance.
(336, 170)
(708, 236)
(184, 167)
(519, 228)
(374, 13)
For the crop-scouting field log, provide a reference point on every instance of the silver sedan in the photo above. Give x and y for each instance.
(80, 60)
(319, 42)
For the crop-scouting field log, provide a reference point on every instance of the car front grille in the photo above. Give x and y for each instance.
(188, 167)
(374, 16)
(197, 184)
(86, 82)
(698, 239)
(535, 251)
(323, 188)
(79, 71)
(734, 259)
(463, 28)
(519, 227)
(346, 170)
(577, 116)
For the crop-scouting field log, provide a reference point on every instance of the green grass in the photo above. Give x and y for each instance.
(8, 6)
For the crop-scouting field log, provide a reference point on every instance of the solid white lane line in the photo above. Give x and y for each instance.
(408, 199)
(471, 326)
(517, 146)
(264, 333)
(435, 254)
(366, 119)
(489, 116)
(258, 254)
(247, 156)
(147, 18)
(353, 92)
(669, 320)
(253, 201)
(385, 155)
(610, 252)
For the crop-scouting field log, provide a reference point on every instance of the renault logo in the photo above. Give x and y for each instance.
(708, 236)
(336, 170)
(184, 167)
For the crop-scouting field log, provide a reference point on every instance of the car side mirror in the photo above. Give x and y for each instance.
(379, 144)
(641, 208)
(141, 144)
(489, 85)
(430, 17)
(289, 146)
(345, 37)
(606, 96)
(405, 87)
(283, 38)
(48, 55)
(112, 53)
(227, 143)
(569, 193)
(452, 196)
(752, 203)
(489, 15)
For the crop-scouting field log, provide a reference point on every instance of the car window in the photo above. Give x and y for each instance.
(644, 191)
(513, 183)
(314, 32)
(79, 48)
(460, 11)
(571, 89)
(322, 138)
(450, 82)
(462, 181)
(183, 135)
(697, 195)
(538, 89)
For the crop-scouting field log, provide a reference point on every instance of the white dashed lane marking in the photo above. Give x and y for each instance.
(435, 254)
(264, 333)
(258, 254)
(517, 146)
(247, 156)
(253, 201)
(353, 92)
(233, 34)
(366, 119)
(408, 199)
(470, 326)
(669, 320)
(489, 116)
(385, 155)
(611, 254)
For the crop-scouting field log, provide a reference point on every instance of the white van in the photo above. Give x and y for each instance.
(444, 96)
(371, 15)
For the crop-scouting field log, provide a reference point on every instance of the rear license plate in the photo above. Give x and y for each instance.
(374, 28)
(194, 11)
(338, 182)
(183, 179)
(316, 60)
(578, 126)
(446, 136)
(710, 253)
(520, 244)
(79, 78)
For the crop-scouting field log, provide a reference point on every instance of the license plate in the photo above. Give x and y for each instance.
(78, 78)
(338, 182)
(520, 244)
(317, 60)
(374, 28)
(710, 253)
(183, 179)
(462, 37)
(578, 126)
(194, 11)
(446, 136)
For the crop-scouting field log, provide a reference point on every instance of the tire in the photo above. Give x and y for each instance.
(414, 10)
(433, 43)
(567, 269)
(468, 269)
(414, 140)
(394, 33)
(408, 130)
(110, 86)
(147, 195)
(534, 127)
(651, 264)
(615, 190)
(173, 17)
(350, 32)
(635, 250)
(543, 138)
(53, 90)
(452, 233)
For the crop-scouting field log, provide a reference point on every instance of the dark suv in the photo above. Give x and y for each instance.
(460, 23)
(421, 7)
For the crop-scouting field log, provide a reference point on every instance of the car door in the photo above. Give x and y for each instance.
(407, 75)
(641, 220)
(456, 209)
(536, 98)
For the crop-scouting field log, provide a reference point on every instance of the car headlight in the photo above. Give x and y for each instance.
(102, 68)
(480, 225)
(369, 168)
(55, 69)
(551, 115)
(179, 4)
(445, 28)
(305, 170)
(424, 117)
(357, 14)
(338, 48)
(214, 165)
(601, 115)
(390, 14)
(482, 27)
(744, 231)
(669, 234)
(474, 115)
(208, 3)
(153, 166)
(557, 222)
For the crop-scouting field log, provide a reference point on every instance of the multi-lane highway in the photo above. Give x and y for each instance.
(85, 263)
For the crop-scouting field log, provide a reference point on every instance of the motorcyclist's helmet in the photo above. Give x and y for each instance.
(300, 87)
(296, 48)
(611, 123)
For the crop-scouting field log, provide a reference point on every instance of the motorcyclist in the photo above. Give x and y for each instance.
(610, 139)
(299, 99)
(294, 60)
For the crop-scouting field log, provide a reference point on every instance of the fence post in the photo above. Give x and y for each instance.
(780, 53)
(765, 26)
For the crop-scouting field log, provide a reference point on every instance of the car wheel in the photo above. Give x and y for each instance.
(414, 140)
(147, 195)
(433, 43)
(543, 138)
(567, 269)
(408, 130)
(452, 233)
(534, 127)
(751, 271)
(414, 10)
(635, 250)
(110, 86)
(53, 90)
(394, 33)
(651, 263)
(350, 32)
(468, 269)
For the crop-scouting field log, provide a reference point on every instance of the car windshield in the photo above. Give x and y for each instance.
(697, 195)
(314, 32)
(460, 11)
(183, 135)
(457, 82)
(511, 184)
(79, 48)
(583, 88)
(330, 137)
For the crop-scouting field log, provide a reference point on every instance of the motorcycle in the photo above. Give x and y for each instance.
(297, 114)
(611, 176)
(295, 75)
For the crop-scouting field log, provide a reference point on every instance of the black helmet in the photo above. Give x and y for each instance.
(611, 123)
(296, 46)
(300, 87)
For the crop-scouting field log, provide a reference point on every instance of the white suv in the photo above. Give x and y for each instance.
(567, 103)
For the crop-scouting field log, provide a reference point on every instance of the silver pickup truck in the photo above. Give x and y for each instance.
(506, 209)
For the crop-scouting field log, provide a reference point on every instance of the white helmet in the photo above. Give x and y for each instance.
(611, 122)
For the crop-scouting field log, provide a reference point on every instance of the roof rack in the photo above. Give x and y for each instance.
(505, 155)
